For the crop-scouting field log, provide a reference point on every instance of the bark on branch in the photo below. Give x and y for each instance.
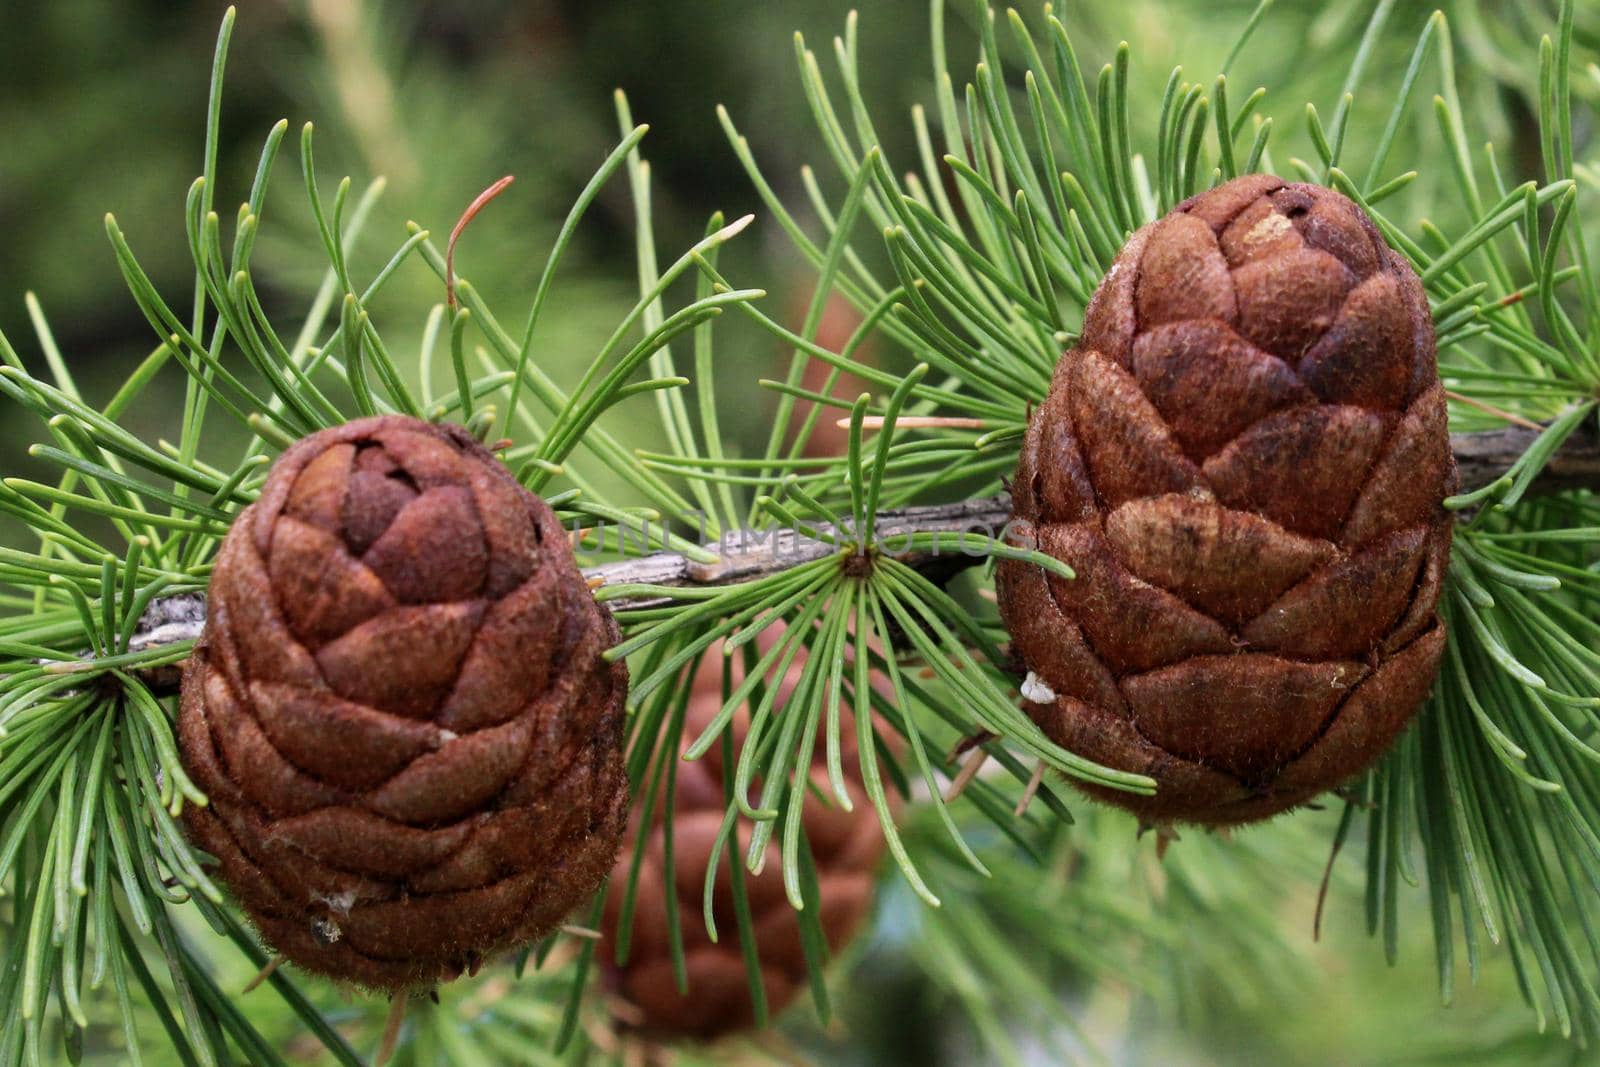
(1481, 458)
(1484, 456)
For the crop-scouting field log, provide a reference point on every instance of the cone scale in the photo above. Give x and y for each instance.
(1243, 460)
(399, 712)
(845, 848)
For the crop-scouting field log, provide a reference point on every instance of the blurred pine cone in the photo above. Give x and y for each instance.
(399, 711)
(1243, 461)
(845, 845)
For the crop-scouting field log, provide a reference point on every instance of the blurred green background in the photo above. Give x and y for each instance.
(101, 109)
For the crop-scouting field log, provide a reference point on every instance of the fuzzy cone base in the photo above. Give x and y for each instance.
(399, 713)
(846, 847)
(1243, 461)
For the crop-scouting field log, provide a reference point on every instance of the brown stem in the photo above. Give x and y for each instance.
(1481, 458)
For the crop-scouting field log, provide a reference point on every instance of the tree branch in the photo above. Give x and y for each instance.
(1481, 458)
(746, 554)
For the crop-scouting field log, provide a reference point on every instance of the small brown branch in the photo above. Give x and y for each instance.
(391, 1028)
(743, 555)
(1484, 456)
(264, 973)
(477, 205)
(1322, 888)
(919, 422)
(1481, 458)
(1489, 409)
(969, 771)
(1032, 790)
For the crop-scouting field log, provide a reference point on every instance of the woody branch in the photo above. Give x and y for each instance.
(1481, 458)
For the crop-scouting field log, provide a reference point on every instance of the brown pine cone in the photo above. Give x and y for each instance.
(411, 745)
(1243, 461)
(845, 845)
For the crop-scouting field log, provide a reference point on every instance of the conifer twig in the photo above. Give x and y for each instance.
(1481, 457)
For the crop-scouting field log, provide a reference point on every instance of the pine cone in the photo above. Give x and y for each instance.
(845, 845)
(1243, 461)
(399, 712)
